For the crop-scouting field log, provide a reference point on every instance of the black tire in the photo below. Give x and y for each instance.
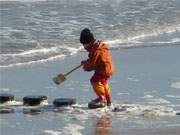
(92, 105)
(59, 102)
(4, 97)
(33, 100)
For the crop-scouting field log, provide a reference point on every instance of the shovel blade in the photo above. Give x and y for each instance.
(59, 79)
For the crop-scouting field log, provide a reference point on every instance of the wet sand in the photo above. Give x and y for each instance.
(140, 72)
(149, 131)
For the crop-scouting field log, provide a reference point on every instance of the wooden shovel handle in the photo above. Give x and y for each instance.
(72, 70)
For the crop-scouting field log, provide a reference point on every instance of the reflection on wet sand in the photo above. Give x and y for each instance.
(103, 126)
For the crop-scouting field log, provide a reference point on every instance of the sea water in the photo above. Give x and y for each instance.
(40, 38)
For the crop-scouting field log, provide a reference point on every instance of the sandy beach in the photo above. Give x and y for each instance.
(153, 131)
(144, 79)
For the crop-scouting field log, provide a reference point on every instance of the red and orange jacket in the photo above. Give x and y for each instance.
(100, 61)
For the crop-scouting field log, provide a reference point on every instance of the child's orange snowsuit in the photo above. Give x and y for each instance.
(100, 61)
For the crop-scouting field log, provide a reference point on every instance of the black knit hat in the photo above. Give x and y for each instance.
(86, 36)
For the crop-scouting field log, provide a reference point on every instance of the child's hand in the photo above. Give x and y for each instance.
(83, 62)
(86, 67)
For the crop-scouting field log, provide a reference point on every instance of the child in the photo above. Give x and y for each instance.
(100, 61)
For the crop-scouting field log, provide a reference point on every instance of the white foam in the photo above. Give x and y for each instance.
(171, 41)
(69, 129)
(145, 110)
(162, 111)
(34, 62)
(52, 132)
(43, 51)
(72, 129)
(155, 99)
(55, 52)
(4, 89)
(44, 102)
(12, 103)
(135, 41)
(148, 97)
(175, 85)
(173, 96)
(174, 40)
(51, 88)
(49, 50)
(123, 93)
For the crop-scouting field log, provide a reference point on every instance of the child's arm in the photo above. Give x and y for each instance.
(91, 63)
(86, 65)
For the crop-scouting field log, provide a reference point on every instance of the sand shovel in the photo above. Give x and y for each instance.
(62, 77)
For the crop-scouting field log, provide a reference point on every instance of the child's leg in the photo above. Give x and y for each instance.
(99, 89)
(108, 94)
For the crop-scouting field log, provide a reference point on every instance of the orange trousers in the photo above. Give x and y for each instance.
(102, 91)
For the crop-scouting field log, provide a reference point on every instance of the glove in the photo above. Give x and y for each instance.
(83, 62)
